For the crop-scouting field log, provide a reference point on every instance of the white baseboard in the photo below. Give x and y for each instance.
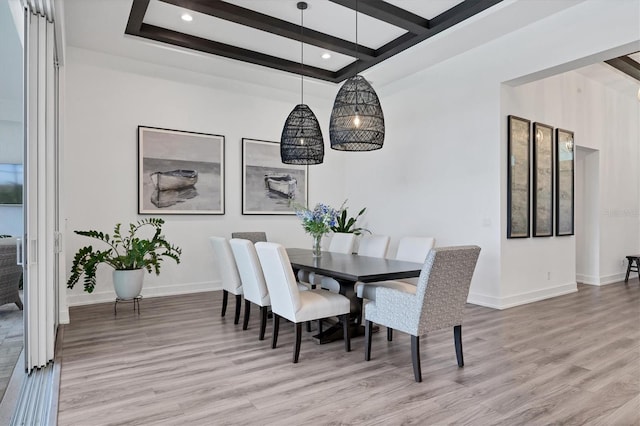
(484, 300)
(63, 316)
(612, 278)
(588, 279)
(522, 298)
(602, 280)
(169, 290)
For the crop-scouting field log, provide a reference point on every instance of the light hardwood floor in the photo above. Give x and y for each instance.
(570, 360)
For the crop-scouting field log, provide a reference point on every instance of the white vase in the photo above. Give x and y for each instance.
(128, 283)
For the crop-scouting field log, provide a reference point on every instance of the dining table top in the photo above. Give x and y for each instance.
(353, 267)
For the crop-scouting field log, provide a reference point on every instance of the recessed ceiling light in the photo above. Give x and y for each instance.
(326, 55)
(186, 17)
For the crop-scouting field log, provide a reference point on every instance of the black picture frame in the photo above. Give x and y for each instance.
(180, 172)
(518, 177)
(270, 187)
(565, 197)
(543, 166)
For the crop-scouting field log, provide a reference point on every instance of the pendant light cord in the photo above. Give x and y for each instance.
(357, 60)
(301, 56)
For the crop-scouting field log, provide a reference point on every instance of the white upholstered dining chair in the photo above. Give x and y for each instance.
(410, 249)
(228, 270)
(370, 245)
(297, 306)
(438, 301)
(254, 285)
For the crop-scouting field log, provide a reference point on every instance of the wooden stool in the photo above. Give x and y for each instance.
(631, 268)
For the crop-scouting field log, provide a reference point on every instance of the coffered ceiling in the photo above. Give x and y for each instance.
(100, 26)
(268, 32)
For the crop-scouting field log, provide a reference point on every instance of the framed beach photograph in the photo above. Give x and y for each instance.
(542, 180)
(268, 185)
(564, 182)
(518, 185)
(180, 172)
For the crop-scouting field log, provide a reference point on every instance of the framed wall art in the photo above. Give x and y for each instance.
(542, 180)
(268, 185)
(564, 182)
(518, 185)
(180, 172)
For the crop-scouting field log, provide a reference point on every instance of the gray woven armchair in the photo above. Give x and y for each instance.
(10, 273)
(438, 301)
(254, 237)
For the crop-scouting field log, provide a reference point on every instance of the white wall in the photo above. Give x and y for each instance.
(442, 171)
(107, 97)
(604, 120)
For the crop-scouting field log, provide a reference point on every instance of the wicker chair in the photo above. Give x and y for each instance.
(437, 302)
(10, 273)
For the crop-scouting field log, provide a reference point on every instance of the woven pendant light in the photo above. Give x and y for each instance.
(301, 141)
(357, 120)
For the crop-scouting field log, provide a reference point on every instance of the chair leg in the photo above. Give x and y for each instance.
(367, 340)
(415, 357)
(296, 348)
(359, 316)
(457, 339)
(346, 331)
(263, 321)
(389, 334)
(320, 325)
(236, 318)
(308, 326)
(247, 310)
(276, 326)
(225, 298)
(629, 262)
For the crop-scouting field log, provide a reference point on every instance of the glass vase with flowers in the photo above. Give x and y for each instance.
(317, 223)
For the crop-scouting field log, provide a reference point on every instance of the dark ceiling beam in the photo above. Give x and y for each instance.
(221, 49)
(368, 58)
(388, 13)
(444, 21)
(138, 9)
(626, 65)
(260, 21)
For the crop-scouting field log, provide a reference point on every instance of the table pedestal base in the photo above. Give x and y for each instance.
(335, 332)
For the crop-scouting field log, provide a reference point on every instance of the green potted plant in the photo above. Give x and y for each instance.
(348, 224)
(129, 255)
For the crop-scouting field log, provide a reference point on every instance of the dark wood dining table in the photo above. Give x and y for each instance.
(347, 269)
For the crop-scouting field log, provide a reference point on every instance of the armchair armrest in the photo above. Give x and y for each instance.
(395, 309)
